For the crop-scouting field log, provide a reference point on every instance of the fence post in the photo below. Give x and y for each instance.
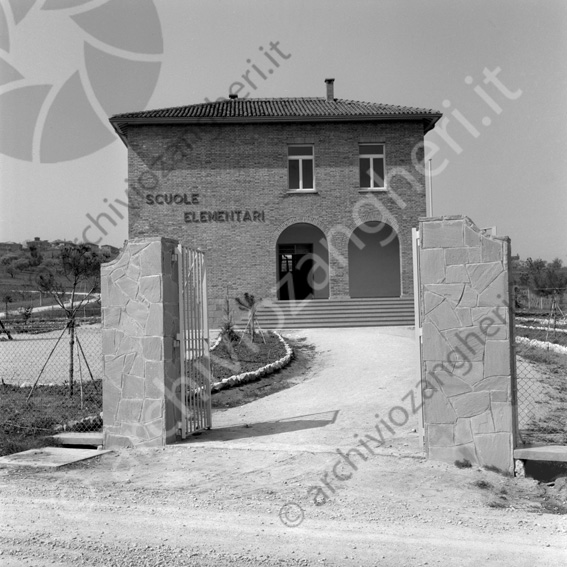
(140, 322)
(468, 396)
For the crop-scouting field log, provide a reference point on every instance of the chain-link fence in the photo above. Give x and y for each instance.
(541, 370)
(51, 377)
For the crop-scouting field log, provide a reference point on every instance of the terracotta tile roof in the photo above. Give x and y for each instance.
(279, 108)
(276, 110)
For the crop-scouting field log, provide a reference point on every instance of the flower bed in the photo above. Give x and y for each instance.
(237, 364)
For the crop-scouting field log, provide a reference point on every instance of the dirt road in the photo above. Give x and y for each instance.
(207, 506)
(270, 488)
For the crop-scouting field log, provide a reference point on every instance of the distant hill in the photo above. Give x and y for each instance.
(20, 263)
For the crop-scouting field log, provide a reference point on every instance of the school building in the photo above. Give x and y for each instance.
(290, 198)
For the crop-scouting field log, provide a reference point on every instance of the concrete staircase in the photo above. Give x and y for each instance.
(379, 312)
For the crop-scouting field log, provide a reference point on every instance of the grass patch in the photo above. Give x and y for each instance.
(542, 392)
(304, 358)
(230, 358)
(556, 362)
(27, 425)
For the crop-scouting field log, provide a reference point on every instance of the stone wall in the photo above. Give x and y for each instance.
(469, 392)
(140, 322)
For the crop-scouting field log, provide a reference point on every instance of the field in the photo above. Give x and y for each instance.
(542, 380)
(26, 360)
(24, 357)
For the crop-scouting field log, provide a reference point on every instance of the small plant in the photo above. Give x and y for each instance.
(464, 464)
(249, 303)
(497, 504)
(25, 314)
(228, 333)
(492, 468)
(483, 484)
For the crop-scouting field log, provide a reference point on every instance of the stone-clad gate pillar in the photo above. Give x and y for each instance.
(140, 322)
(467, 353)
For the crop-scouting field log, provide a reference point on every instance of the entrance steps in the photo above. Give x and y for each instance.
(75, 439)
(312, 313)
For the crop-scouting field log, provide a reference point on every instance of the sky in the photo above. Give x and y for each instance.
(495, 68)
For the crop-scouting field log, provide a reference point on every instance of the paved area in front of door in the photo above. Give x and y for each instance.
(363, 386)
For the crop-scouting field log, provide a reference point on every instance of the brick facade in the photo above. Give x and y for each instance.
(240, 167)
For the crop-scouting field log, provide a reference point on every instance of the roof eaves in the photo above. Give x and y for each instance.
(120, 123)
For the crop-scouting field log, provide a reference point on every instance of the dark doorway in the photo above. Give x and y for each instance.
(295, 265)
(374, 261)
(302, 263)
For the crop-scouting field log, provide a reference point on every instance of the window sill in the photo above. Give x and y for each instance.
(301, 191)
(374, 190)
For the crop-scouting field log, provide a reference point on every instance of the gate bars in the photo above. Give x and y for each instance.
(418, 330)
(194, 342)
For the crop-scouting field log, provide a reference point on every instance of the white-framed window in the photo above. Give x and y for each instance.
(372, 160)
(300, 165)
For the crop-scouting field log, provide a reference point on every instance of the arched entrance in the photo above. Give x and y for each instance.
(302, 260)
(374, 261)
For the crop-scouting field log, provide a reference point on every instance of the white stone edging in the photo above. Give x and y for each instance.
(90, 420)
(216, 343)
(542, 344)
(543, 321)
(246, 377)
(541, 328)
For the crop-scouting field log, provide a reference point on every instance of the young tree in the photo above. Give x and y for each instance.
(11, 269)
(21, 264)
(249, 303)
(546, 279)
(227, 327)
(26, 313)
(6, 299)
(8, 261)
(8, 258)
(78, 265)
(35, 258)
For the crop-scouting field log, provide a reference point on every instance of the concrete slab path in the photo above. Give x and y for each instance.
(361, 373)
(49, 457)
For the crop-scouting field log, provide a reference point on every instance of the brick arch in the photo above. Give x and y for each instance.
(395, 230)
(377, 216)
(344, 230)
(291, 220)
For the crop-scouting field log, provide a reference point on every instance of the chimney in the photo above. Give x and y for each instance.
(330, 90)
(232, 96)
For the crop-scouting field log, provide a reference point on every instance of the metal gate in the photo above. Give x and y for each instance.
(194, 342)
(418, 333)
